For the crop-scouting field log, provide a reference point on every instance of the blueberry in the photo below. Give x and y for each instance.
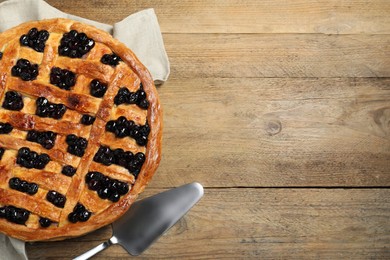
(144, 104)
(24, 151)
(13, 101)
(114, 197)
(5, 128)
(33, 33)
(2, 212)
(23, 63)
(1, 55)
(94, 176)
(45, 222)
(14, 183)
(68, 170)
(122, 128)
(45, 139)
(122, 188)
(32, 188)
(76, 145)
(71, 139)
(141, 94)
(56, 198)
(41, 161)
(87, 120)
(25, 70)
(94, 184)
(127, 97)
(124, 158)
(79, 208)
(80, 213)
(35, 39)
(74, 44)
(73, 217)
(23, 186)
(110, 59)
(142, 140)
(59, 111)
(111, 125)
(97, 88)
(104, 155)
(122, 96)
(106, 187)
(62, 78)
(30, 159)
(83, 216)
(2, 150)
(104, 193)
(43, 35)
(10, 213)
(16, 215)
(44, 108)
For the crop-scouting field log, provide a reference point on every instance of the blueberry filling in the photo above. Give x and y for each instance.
(13, 101)
(106, 187)
(23, 186)
(45, 139)
(25, 70)
(75, 45)
(1, 55)
(14, 214)
(124, 96)
(123, 127)
(76, 145)
(132, 162)
(48, 109)
(62, 78)
(35, 39)
(5, 128)
(30, 159)
(110, 59)
(45, 222)
(97, 89)
(68, 170)
(56, 198)
(87, 120)
(80, 213)
(2, 150)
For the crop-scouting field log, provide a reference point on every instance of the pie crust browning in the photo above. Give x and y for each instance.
(129, 73)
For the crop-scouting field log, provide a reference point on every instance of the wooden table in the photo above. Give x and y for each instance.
(281, 109)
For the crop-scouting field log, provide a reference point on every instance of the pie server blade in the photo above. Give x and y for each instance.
(148, 219)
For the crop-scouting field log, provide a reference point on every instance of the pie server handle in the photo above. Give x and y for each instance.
(149, 218)
(96, 249)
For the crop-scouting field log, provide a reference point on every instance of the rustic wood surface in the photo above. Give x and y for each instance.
(281, 109)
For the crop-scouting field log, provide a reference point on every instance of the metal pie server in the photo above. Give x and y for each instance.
(148, 219)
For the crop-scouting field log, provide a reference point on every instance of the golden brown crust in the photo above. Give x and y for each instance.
(129, 73)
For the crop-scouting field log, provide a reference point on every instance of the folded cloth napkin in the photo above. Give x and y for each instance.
(139, 31)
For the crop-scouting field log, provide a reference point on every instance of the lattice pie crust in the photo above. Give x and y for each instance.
(80, 129)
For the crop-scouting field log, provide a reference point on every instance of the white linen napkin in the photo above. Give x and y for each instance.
(139, 31)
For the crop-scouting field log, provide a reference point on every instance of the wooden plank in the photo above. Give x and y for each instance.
(252, 16)
(276, 132)
(278, 55)
(262, 223)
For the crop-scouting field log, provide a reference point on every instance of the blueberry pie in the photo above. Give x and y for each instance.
(80, 129)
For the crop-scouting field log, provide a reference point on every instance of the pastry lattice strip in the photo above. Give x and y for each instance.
(80, 102)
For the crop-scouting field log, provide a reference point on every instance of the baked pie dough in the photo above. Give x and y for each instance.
(80, 129)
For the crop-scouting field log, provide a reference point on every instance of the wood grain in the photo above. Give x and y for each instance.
(262, 224)
(281, 109)
(252, 16)
(276, 132)
(278, 55)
